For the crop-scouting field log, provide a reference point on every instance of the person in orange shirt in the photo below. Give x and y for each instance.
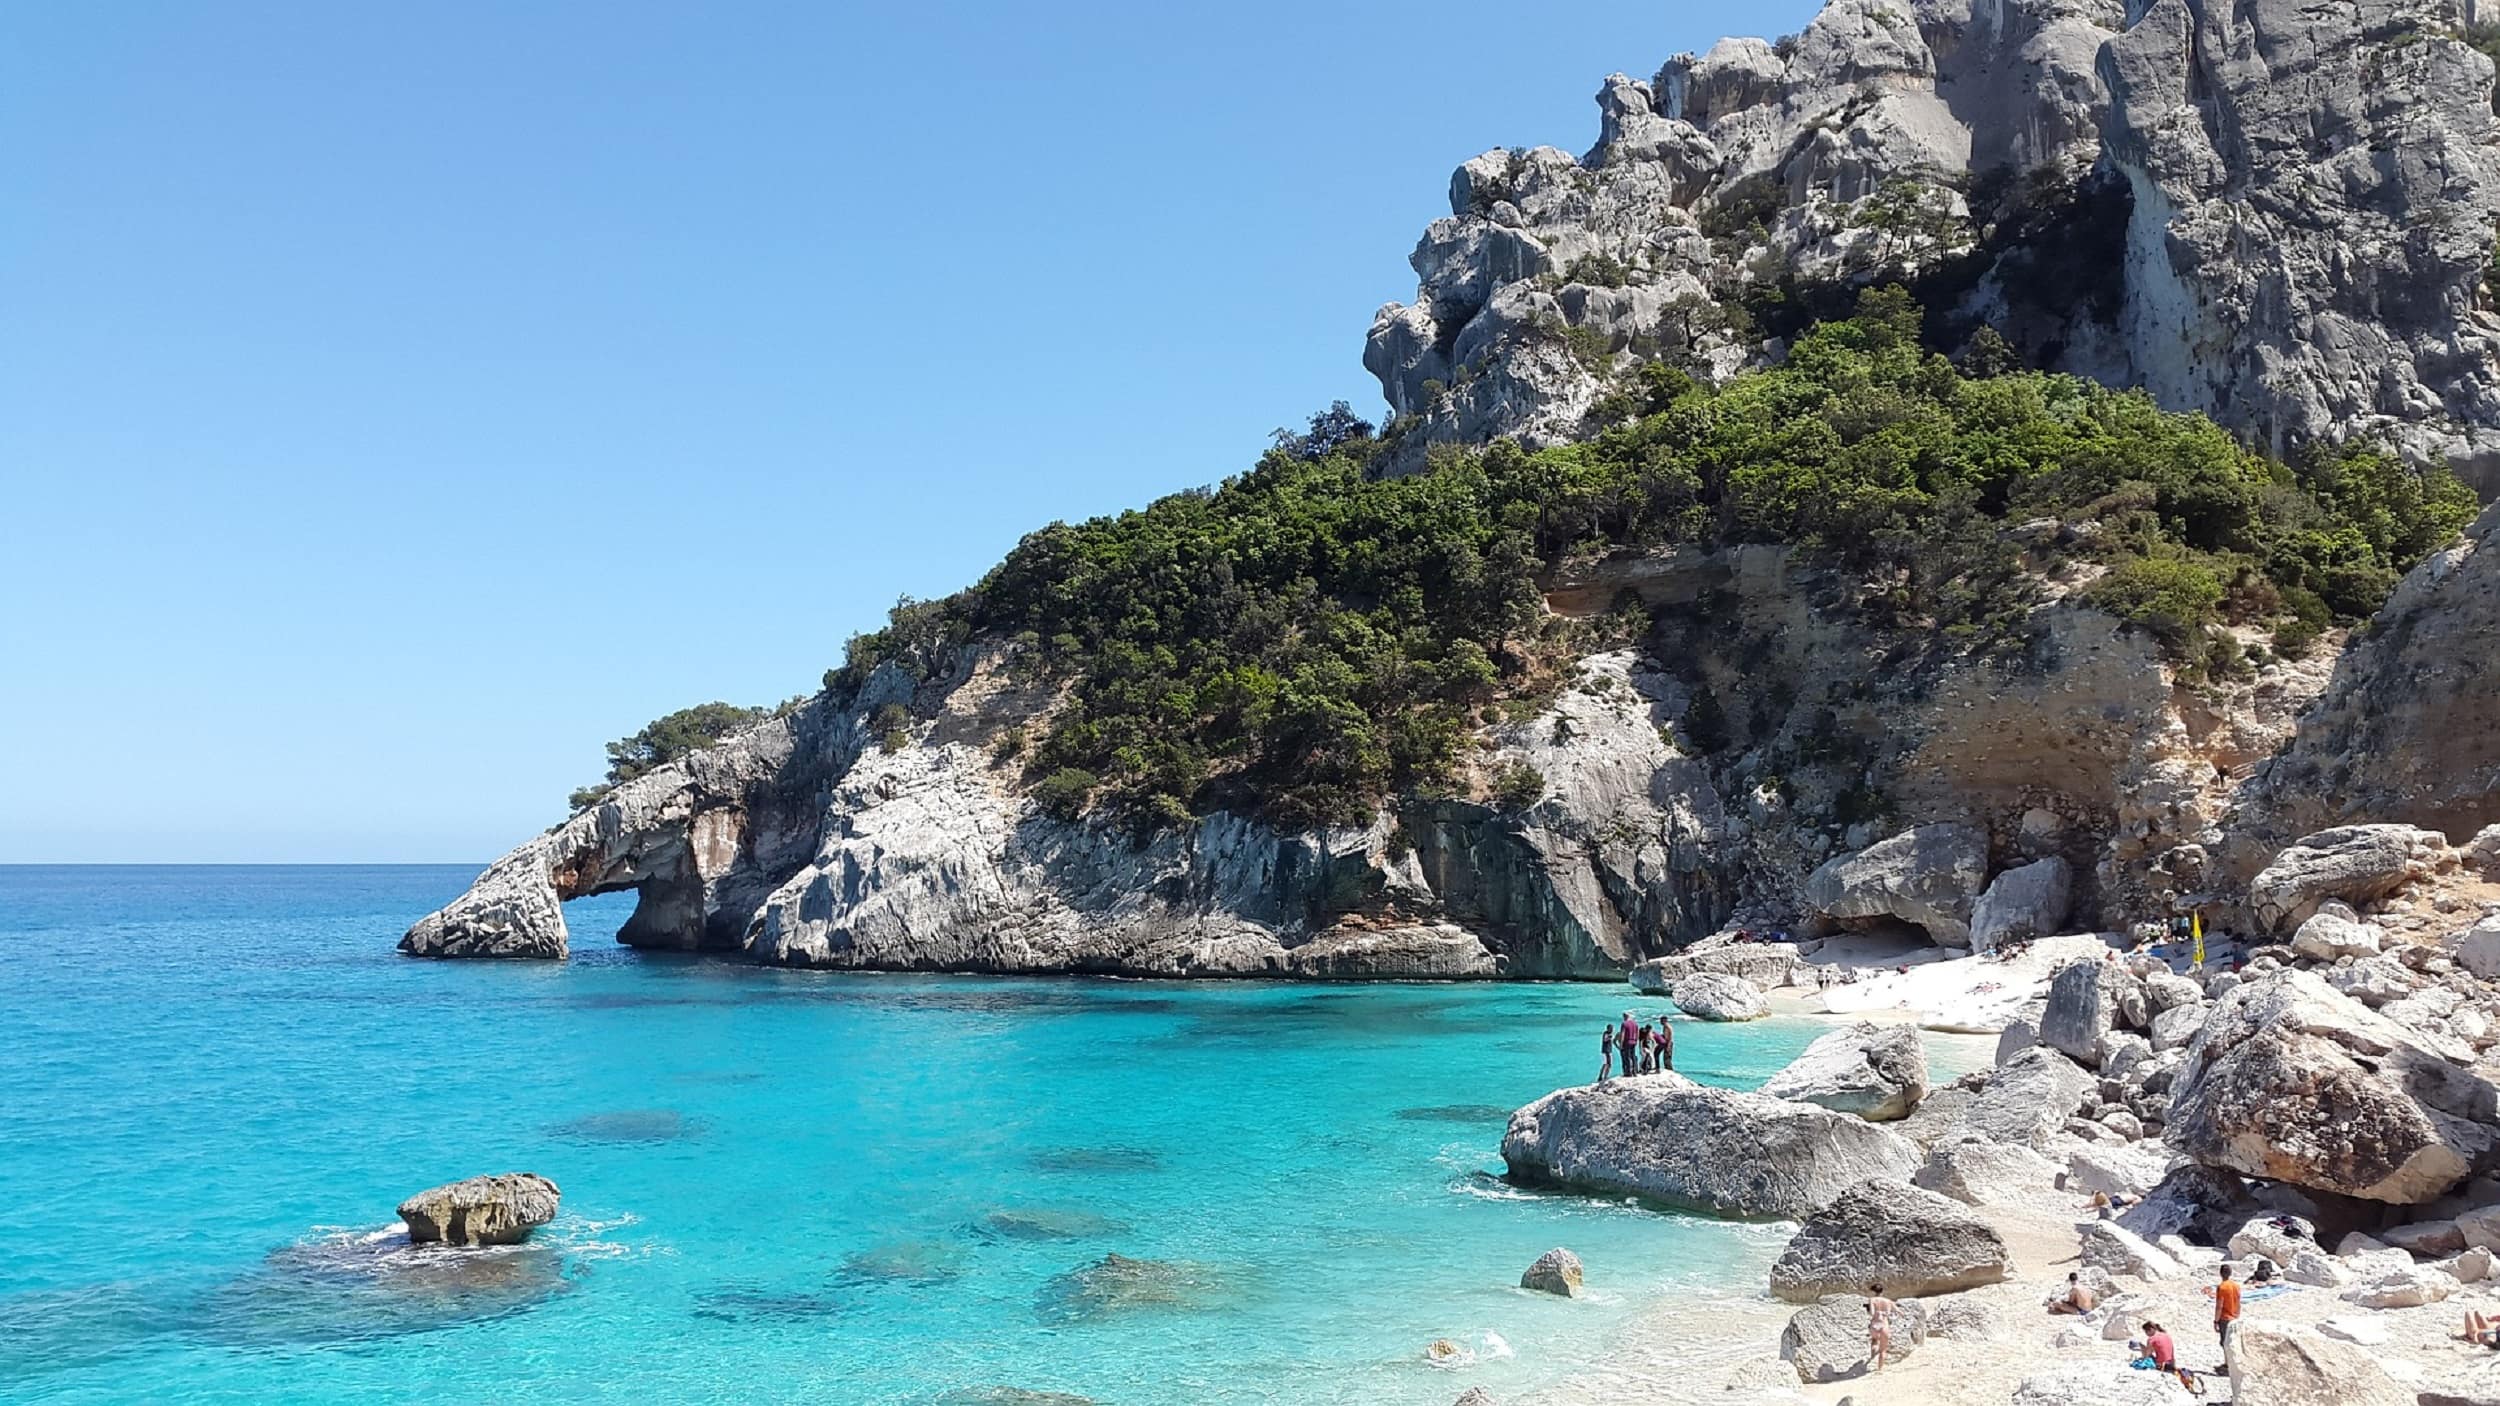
(2226, 1307)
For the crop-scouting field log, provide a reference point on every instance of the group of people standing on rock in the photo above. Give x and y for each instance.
(1645, 1049)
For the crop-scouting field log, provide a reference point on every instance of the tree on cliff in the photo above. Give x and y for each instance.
(664, 740)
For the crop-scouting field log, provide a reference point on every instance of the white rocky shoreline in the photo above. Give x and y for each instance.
(2328, 1108)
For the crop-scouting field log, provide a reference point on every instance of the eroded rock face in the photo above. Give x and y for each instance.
(2294, 1081)
(1928, 876)
(1878, 1072)
(489, 1210)
(1671, 1141)
(1885, 1232)
(2354, 863)
(2028, 900)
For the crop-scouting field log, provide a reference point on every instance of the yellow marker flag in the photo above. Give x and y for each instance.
(2196, 925)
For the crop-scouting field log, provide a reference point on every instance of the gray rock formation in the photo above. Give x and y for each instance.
(2354, 863)
(1555, 1272)
(1765, 964)
(2211, 256)
(1878, 1072)
(1928, 876)
(2335, 932)
(2028, 900)
(1977, 1172)
(1827, 1340)
(1711, 996)
(2279, 1364)
(2087, 1000)
(490, 1210)
(2097, 1384)
(2294, 1081)
(2028, 1099)
(1688, 1146)
(801, 842)
(1907, 1239)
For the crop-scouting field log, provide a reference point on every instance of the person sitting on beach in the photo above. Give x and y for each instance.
(1878, 1324)
(2076, 1299)
(2159, 1347)
(1605, 1052)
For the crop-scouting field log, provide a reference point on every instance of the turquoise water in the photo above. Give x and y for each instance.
(778, 1186)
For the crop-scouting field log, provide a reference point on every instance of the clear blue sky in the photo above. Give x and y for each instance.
(398, 402)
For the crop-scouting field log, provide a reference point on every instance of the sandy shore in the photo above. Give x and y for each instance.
(1726, 1348)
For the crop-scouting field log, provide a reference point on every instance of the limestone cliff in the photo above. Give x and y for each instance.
(2275, 212)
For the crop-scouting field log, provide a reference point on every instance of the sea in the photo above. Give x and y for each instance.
(216, 1083)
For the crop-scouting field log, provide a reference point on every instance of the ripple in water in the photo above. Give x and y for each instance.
(1456, 1113)
(632, 1125)
(1096, 1159)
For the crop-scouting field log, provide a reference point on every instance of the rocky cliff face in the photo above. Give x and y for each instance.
(2275, 212)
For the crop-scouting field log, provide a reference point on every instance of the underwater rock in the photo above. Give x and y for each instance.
(1046, 1223)
(1117, 1283)
(1097, 1159)
(359, 1287)
(905, 1262)
(626, 1126)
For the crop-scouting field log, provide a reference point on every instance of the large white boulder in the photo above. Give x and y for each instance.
(1929, 876)
(1878, 1072)
(1669, 1140)
(2355, 863)
(2296, 1082)
(1911, 1241)
(2097, 1384)
(2114, 1249)
(2088, 1000)
(1717, 996)
(2335, 932)
(2477, 948)
(1765, 964)
(2028, 900)
(1827, 1341)
(1981, 1173)
(2028, 1099)
(2278, 1364)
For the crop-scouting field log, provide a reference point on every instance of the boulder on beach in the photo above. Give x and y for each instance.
(1717, 996)
(2278, 1364)
(1668, 1140)
(2026, 901)
(2028, 1098)
(490, 1210)
(1977, 1172)
(1908, 1239)
(2335, 932)
(1928, 876)
(2098, 1384)
(1878, 1072)
(2294, 1081)
(2355, 863)
(1826, 1341)
(2088, 1000)
(1765, 964)
(1555, 1272)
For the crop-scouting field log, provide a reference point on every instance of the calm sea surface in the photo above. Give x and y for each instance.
(778, 1186)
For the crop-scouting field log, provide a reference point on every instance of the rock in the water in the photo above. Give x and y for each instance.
(1119, 1284)
(1827, 1340)
(1878, 1072)
(1555, 1272)
(2355, 863)
(2335, 932)
(1981, 1173)
(1911, 1241)
(2028, 1098)
(1765, 964)
(1929, 876)
(2029, 900)
(1474, 1396)
(1669, 1140)
(489, 1210)
(2087, 1000)
(1715, 996)
(2293, 1081)
(2278, 1364)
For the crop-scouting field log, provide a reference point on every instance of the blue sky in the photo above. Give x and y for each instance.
(398, 402)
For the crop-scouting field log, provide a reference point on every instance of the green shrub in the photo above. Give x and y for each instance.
(891, 727)
(1600, 270)
(1518, 786)
(2172, 597)
(1066, 792)
(665, 740)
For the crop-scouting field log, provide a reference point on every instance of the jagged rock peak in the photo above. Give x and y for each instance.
(2274, 212)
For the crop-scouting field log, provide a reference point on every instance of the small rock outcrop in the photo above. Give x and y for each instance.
(489, 1210)
(2354, 863)
(1878, 1072)
(1692, 1147)
(1713, 996)
(2291, 1080)
(1765, 964)
(1928, 876)
(1555, 1272)
(1891, 1233)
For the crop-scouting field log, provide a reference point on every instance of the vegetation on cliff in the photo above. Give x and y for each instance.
(665, 740)
(1307, 637)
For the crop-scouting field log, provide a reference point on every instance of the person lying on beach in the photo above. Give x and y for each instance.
(2482, 1329)
(2076, 1299)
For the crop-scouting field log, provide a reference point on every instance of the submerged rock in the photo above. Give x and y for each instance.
(1118, 1284)
(353, 1288)
(488, 1210)
(904, 1262)
(628, 1126)
(1878, 1072)
(1101, 1159)
(1909, 1240)
(1669, 1140)
(1048, 1223)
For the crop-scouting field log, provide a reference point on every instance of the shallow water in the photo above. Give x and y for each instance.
(778, 1186)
